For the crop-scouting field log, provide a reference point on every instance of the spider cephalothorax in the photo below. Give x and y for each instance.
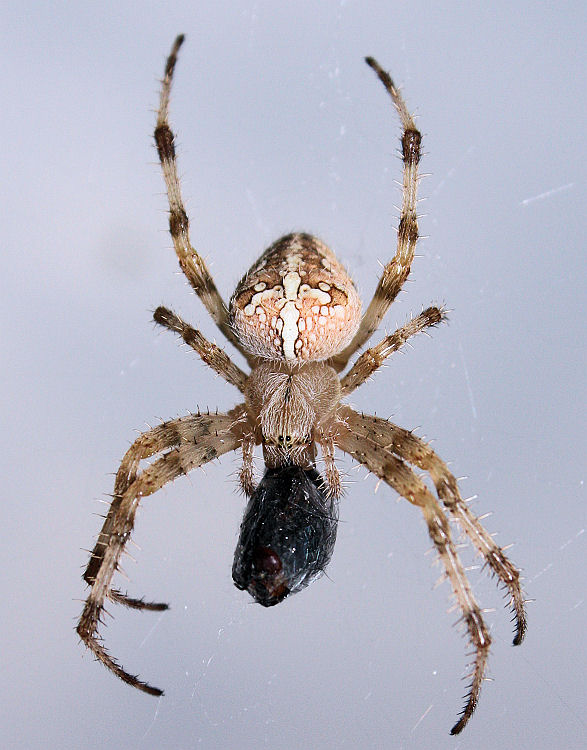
(296, 318)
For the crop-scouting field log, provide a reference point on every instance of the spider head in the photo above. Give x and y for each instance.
(287, 535)
(287, 403)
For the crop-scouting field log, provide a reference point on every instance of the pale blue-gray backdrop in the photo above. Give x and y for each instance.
(281, 126)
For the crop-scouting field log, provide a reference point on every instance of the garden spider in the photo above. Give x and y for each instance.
(296, 318)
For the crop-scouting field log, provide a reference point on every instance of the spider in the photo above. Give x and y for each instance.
(296, 318)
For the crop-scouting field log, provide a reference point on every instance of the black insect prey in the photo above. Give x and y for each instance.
(287, 535)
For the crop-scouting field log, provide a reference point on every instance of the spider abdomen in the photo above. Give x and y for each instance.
(296, 303)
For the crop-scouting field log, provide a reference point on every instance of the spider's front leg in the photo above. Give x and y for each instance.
(190, 261)
(392, 470)
(211, 354)
(372, 359)
(190, 442)
(397, 270)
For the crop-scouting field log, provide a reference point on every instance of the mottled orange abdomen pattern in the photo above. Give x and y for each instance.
(296, 303)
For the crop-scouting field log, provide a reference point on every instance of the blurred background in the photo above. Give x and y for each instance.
(281, 127)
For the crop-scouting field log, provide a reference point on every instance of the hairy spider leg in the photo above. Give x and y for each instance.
(394, 472)
(191, 263)
(397, 270)
(193, 441)
(212, 355)
(411, 448)
(372, 359)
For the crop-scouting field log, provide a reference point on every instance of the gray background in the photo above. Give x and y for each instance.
(282, 126)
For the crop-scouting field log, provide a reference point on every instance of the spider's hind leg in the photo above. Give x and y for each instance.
(128, 601)
(392, 470)
(190, 442)
(372, 359)
(412, 449)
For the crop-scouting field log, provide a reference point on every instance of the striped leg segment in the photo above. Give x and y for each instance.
(191, 263)
(372, 359)
(382, 462)
(412, 449)
(397, 270)
(189, 442)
